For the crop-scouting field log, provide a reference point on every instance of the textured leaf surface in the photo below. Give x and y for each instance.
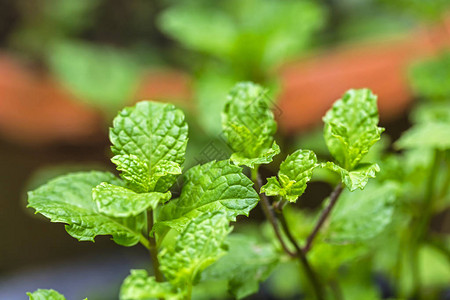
(356, 179)
(198, 246)
(68, 199)
(249, 125)
(295, 171)
(215, 186)
(245, 266)
(151, 140)
(42, 294)
(140, 286)
(362, 215)
(435, 135)
(117, 201)
(351, 127)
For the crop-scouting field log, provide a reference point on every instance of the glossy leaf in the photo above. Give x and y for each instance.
(140, 286)
(249, 125)
(247, 264)
(117, 201)
(68, 199)
(356, 179)
(351, 127)
(150, 139)
(197, 247)
(42, 294)
(215, 186)
(295, 171)
(359, 216)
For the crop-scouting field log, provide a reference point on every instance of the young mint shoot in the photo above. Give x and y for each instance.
(149, 144)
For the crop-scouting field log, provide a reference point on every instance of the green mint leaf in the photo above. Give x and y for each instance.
(434, 135)
(42, 294)
(117, 201)
(249, 125)
(356, 179)
(139, 286)
(361, 215)
(68, 199)
(247, 264)
(210, 187)
(149, 141)
(351, 127)
(295, 171)
(197, 247)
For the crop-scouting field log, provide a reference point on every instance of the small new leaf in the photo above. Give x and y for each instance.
(149, 141)
(117, 201)
(197, 247)
(356, 179)
(42, 294)
(249, 125)
(210, 187)
(68, 199)
(140, 286)
(351, 127)
(295, 171)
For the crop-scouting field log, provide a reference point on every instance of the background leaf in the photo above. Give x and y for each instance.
(361, 215)
(247, 264)
(435, 135)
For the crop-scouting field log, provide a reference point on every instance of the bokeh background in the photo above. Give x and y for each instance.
(68, 66)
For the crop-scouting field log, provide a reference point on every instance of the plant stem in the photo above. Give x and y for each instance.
(336, 290)
(270, 215)
(154, 252)
(423, 223)
(302, 257)
(333, 199)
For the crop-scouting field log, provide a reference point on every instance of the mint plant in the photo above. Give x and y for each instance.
(149, 144)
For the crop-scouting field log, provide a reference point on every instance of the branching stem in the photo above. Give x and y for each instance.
(270, 215)
(333, 199)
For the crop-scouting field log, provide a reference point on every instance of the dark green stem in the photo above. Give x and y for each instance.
(423, 223)
(270, 215)
(333, 199)
(154, 252)
(303, 259)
